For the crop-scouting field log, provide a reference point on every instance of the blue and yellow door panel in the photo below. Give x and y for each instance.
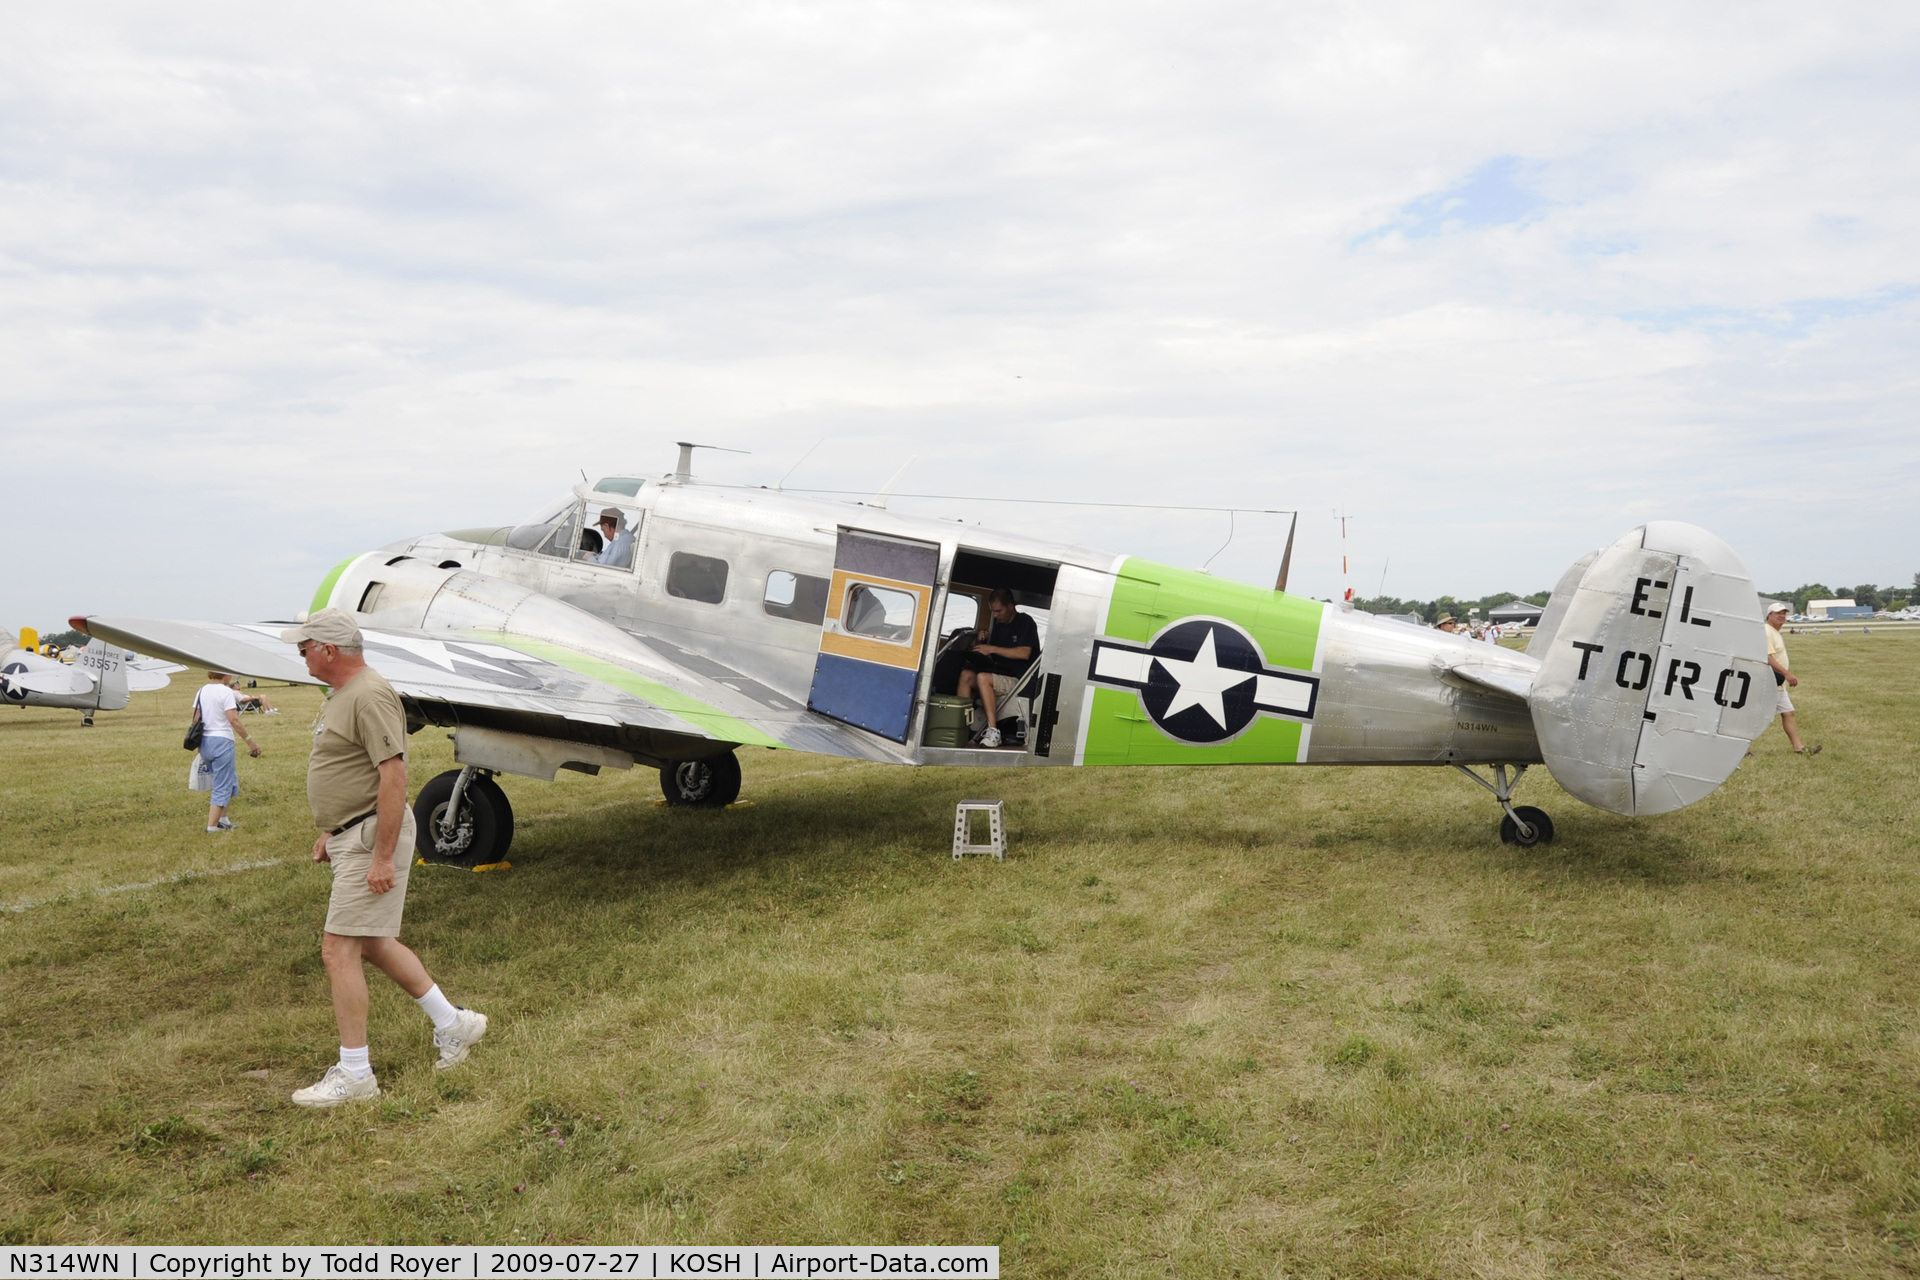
(875, 632)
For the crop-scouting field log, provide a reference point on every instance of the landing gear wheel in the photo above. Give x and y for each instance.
(1541, 827)
(713, 783)
(483, 829)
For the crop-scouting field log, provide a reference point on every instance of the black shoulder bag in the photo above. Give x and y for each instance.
(195, 730)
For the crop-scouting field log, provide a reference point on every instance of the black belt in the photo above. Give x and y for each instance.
(354, 822)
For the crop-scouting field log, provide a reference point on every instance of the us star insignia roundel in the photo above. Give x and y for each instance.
(1203, 680)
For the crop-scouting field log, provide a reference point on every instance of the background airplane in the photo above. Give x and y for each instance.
(100, 678)
(750, 617)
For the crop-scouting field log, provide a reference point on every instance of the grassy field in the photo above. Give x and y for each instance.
(1202, 1023)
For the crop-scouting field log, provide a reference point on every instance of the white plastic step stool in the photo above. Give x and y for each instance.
(996, 829)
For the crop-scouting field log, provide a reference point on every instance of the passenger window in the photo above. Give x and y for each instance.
(692, 577)
(797, 596)
(881, 613)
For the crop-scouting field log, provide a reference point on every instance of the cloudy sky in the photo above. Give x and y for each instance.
(281, 283)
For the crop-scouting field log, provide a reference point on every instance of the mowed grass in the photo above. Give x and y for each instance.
(1201, 1022)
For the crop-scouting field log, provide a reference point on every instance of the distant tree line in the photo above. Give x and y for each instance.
(1866, 594)
(1430, 611)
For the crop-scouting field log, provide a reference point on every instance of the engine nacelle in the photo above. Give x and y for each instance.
(1653, 671)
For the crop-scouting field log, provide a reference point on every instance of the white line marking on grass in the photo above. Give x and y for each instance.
(176, 878)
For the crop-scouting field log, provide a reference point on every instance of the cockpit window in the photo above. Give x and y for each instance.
(538, 535)
(620, 484)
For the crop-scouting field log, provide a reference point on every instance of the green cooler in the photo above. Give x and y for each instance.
(949, 721)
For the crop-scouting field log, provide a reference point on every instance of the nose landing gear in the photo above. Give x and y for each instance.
(1525, 826)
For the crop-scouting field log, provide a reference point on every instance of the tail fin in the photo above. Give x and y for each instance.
(1653, 675)
(107, 664)
(29, 639)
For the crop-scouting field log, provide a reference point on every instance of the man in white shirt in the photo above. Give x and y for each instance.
(1785, 679)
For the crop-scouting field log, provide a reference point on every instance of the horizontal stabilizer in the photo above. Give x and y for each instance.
(62, 681)
(1513, 682)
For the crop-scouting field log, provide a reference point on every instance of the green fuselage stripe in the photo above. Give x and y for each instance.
(718, 724)
(1147, 599)
(325, 593)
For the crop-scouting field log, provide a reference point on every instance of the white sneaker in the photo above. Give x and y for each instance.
(457, 1041)
(337, 1086)
(225, 824)
(990, 738)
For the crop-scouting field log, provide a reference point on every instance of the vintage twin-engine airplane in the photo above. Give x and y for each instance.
(102, 678)
(707, 618)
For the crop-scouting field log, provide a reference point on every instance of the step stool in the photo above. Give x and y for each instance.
(996, 828)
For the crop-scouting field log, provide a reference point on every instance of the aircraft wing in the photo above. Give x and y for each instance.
(63, 681)
(641, 696)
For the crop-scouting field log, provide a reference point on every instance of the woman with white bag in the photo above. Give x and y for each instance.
(217, 707)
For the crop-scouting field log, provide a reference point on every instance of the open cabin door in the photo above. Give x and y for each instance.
(875, 631)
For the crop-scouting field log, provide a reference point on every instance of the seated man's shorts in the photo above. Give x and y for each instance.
(1782, 704)
(1003, 685)
(355, 910)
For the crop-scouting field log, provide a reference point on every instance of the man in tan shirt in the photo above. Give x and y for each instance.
(1785, 679)
(357, 786)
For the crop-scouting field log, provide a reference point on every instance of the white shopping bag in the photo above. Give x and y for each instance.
(199, 774)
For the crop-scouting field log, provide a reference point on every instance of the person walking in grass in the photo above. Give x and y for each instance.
(1785, 679)
(218, 708)
(357, 786)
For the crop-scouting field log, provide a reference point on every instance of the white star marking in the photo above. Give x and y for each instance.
(1202, 681)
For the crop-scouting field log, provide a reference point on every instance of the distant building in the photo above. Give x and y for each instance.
(1517, 613)
(1832, 609)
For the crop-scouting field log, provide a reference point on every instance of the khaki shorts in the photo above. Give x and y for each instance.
(355, 910)
(1003, 685)
(1782, 704)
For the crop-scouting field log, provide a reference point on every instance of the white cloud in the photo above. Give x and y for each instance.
(1500, 280)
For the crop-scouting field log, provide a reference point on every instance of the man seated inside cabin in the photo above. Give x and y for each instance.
(619, 540)
(1006, 648)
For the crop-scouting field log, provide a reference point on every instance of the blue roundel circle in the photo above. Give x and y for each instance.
(8, 689)
(1201, 683)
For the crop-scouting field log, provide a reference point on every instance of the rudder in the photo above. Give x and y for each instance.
(1653, 676)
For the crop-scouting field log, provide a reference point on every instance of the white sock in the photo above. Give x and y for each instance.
(355, 1061)
(439, 1008)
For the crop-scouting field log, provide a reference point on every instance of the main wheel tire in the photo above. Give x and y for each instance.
(712, 783)
(1541, 827)
(482, 831)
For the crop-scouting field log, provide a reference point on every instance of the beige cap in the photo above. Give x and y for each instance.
(328, 626)
(613, 514)
(1778, 606)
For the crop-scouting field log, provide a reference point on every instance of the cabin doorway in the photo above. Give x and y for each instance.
(1028, 712)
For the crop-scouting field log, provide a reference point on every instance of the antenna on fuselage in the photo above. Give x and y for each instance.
(880, 499)
(683, 470)
(1286, 557)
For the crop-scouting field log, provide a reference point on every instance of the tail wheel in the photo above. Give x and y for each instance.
(481, 832)
(712, 783)
(1541, 827)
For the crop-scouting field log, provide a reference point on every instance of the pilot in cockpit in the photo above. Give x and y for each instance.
(1006, 647)
(618, 538)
